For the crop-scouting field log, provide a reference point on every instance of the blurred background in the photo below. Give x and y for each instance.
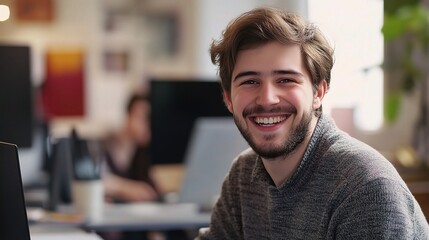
(87, 57)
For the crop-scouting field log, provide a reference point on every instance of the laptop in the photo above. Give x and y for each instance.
(215, 142)
(13, 214)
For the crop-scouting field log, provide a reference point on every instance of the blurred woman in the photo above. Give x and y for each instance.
(127, 178)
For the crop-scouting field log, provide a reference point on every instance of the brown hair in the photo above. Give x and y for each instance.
(135, 98)
(263, 25)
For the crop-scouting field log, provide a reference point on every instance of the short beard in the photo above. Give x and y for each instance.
(290, 144)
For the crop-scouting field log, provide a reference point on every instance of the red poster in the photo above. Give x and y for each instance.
(63, 90)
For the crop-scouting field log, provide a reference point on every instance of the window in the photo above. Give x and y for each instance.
(353, 27)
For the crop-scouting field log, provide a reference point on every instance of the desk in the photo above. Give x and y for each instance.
(149, 216)
(127, 217)
(55, 232)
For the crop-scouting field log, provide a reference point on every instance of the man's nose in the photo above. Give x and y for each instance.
(268, 95)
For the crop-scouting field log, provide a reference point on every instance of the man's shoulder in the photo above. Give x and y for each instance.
(353, 156)
(352, 160)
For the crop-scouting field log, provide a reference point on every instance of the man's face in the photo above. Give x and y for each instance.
(272, 98)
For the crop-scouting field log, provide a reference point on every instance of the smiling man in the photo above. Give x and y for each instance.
(272, 101)
(302, 178)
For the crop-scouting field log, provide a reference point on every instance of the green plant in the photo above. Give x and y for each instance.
(407, 24)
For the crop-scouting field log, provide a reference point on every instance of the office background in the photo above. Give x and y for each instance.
(117, 46)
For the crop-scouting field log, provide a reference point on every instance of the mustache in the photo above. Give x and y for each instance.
(259, 110)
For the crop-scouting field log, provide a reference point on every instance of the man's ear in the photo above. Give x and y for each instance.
(227, 100)
(319, 94)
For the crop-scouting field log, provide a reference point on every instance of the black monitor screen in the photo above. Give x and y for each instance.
(15, 95)
(13, 215)
(175, 106)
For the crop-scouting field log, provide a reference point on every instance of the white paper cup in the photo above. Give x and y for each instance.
(88, 199)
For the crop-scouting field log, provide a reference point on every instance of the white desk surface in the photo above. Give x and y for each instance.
(123, 217)
(149, 216)
(65, 236)
(52, 232)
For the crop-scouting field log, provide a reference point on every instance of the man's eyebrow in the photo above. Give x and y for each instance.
(246, 73)
(275, 72)
(288, 71)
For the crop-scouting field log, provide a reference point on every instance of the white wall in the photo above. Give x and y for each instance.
(214, 16)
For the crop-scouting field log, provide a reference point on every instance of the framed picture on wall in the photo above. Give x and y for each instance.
(167, 40)
(157, 35)
(63, 93)
(163, 35)
(34, 10)
(115, 61)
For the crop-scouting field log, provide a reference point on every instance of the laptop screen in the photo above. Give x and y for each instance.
(215, 143)
(13, 215)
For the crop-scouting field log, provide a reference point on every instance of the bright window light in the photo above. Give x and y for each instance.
(354, 29)
(4, 13)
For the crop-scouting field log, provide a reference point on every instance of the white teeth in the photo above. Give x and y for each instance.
(269, 120)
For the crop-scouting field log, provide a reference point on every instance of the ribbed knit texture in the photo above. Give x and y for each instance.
(343, 189)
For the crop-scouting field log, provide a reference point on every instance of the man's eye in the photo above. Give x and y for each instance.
(249, 82)
(285, 80)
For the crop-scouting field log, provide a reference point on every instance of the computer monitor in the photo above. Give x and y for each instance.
(16, 121)
(13, 215)
(176, 104)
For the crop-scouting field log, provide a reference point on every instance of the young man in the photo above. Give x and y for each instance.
(302, 178)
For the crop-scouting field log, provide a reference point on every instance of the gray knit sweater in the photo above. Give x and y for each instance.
(342, 189)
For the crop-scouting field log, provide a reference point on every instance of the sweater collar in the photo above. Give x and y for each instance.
(304, 169)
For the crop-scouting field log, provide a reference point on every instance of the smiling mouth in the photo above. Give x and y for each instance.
(269, 121)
